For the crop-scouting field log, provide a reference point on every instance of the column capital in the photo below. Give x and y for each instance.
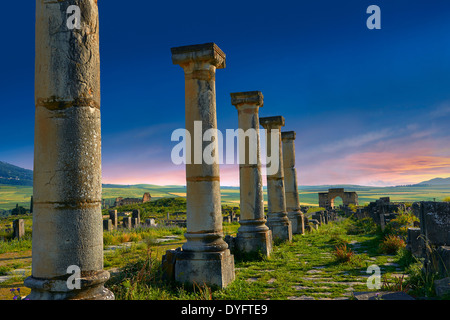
(249, 97)
(207, 52)
(288, 135)
(272, 122)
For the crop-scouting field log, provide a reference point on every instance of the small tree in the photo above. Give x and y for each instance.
(18, 210)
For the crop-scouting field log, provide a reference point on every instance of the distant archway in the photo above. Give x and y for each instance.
(336, 202)
(327, 199)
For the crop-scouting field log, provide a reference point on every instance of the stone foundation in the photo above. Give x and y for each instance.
(254, 242)
(211, 268)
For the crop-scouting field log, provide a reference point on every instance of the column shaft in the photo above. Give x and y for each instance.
(67, 186)
(290, 179)
(205, 257)
(277, 219)
(253, 234)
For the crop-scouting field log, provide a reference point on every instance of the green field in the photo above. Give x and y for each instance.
(12, 195)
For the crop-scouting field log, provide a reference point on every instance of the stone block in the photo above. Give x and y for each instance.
(443, 254)
(107, 225)
(442, 287)
(210, 268)
(281, 231)
(136, 215)
(415, 243)
(18, 229)
(435, 222)
(126, 222)
(297, 222)
(150, 222)
(314, 223)
(168, 264)
(113, 217)
(253, 242)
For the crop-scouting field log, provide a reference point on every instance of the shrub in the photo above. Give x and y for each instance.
(391, 244)
(342, 253)
(399, 226)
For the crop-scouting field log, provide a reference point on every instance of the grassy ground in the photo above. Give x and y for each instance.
(307, 268)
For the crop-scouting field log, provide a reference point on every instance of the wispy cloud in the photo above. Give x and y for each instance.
(441, 110)
(356, 141)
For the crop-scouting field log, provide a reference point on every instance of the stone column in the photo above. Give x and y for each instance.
(205, 257)
(253, 235)
(277, 219)
(67, 185)
(18, 229)
(113, 217)
(290, 183)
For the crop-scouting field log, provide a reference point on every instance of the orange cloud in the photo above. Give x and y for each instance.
(388, 167)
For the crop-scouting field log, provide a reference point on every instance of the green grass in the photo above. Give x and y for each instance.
(10, 195)
(7, 243)
(305, 267)
(141, 234)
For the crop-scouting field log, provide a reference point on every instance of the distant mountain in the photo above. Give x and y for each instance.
(436, 181)
(14, 175)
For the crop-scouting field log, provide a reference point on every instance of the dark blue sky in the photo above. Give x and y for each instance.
(368, 106)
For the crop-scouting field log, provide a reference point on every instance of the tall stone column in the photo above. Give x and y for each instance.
(253, 235)
(67, 245)
(277, 219)
(290, 182)
(205, 257)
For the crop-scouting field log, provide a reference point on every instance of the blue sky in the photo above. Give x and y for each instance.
(369, 107)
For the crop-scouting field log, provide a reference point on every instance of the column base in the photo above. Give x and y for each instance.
(296, 219)
(91, 288)
(254, 242)
(210, 268)
(281, 229)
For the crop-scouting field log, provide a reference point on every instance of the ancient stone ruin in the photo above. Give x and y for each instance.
(326, 199)
(67, 185)
(253, 234)
(432, 240)
(205, 257)
(126, 201)
(18, 229)
(290, 183)
(277, 219)
(382, 211)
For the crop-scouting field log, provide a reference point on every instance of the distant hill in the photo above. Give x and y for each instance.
(436, 181)
(14, 175)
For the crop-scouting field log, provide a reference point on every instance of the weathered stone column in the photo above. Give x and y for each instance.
(253, 235)
(277, 219)
(290, 183)
(205, 257)
(67, 186)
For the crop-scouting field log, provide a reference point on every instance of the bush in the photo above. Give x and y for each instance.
(391, 244)
(342, 253)
(399, 226)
